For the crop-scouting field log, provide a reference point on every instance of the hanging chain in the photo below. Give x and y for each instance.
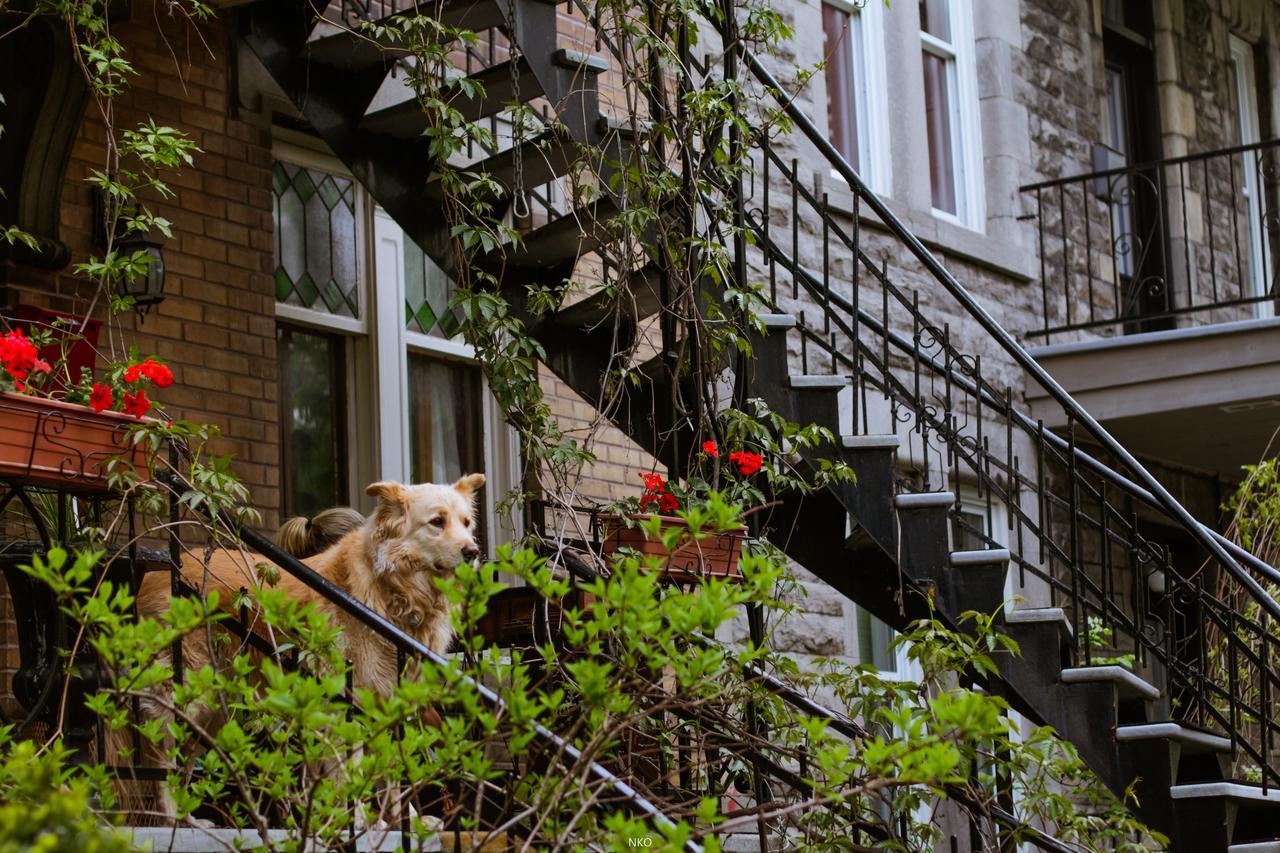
(519, 201)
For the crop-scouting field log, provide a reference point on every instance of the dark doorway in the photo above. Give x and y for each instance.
(1131, 137)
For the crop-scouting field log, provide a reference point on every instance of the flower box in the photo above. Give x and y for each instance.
(715, 556)
(519, 617)
(62, 445)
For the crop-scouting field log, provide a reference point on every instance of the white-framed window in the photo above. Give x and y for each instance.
(857, 108)
(1257, 274)
(952, 123)
(375, 382)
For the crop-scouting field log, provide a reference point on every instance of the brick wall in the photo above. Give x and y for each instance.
(216, 328)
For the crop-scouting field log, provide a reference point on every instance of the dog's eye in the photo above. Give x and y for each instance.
(466, 522)
(438, 521)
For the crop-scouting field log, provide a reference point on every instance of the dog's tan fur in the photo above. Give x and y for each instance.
(416, 534)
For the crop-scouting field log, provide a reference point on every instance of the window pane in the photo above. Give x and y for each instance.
(937, 107)
(445, 422)
(427, 291)
(842, 107)
(874, 641)
(315, 240)
(968, 531)
(935, 18)
(311, 420)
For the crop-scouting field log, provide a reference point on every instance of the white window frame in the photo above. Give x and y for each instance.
(1247, 123)
(966, 123)
(380, 345)
(871, 98)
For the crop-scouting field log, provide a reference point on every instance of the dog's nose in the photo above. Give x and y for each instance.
(471, 551)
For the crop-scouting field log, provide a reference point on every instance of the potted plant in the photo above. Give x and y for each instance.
(684, 549)
(62, 431)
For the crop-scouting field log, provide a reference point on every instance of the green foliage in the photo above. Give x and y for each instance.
(1099, 636)
(634, 680)
(1255, 510)
(44, 808)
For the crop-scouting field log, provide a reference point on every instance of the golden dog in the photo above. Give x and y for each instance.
(390, 563)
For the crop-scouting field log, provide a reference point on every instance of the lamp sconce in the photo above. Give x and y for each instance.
(145, 288)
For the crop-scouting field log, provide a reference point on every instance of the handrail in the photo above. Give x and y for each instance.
(384, 628)
(959, 379)
(1151, 164)
(1075, 411)
(1133, 263)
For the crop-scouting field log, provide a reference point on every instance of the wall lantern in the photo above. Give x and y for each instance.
(145, 288)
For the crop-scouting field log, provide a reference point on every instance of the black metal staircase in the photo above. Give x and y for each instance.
(885, 361)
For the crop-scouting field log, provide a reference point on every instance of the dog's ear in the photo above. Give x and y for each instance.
(387, 490)
(469, 485)
(389, 517)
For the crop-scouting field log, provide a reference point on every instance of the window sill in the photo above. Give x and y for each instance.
(940, 233)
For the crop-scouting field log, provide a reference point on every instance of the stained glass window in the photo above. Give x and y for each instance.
(316, 240)
(427, 291)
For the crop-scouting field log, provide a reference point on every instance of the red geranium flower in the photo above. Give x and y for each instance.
(709, 448)
(151, 369)
(653, 483)
(136, 404)
(748, 463)
(669, 503)
(100, 397)
(19, 356)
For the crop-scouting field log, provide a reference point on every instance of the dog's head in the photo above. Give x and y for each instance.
(426, 527)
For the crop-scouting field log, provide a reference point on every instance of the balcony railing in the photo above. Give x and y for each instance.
(1186, 241)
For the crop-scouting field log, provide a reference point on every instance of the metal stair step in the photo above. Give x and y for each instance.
(777, 321)
(1237, 791)
(1128, 685)
(1034, 615)
(810, 382)
(924, 500)
(645, 288)
(870, 442)
(405, 120)
(566, 238)
(982, 557)
(1193, 741)
(625, 127)
(579, 61)
(544, 157)
(341, 46)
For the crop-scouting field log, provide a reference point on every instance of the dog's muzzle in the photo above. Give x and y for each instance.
(470, 552)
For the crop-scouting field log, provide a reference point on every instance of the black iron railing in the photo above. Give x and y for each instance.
(1087, 530)
(1184, 241)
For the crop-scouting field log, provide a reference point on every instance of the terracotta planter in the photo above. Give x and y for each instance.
(518, 617)
(62, 445)
(713, 557)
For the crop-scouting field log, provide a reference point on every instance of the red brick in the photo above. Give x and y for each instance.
(203, 247)
(227, 231)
